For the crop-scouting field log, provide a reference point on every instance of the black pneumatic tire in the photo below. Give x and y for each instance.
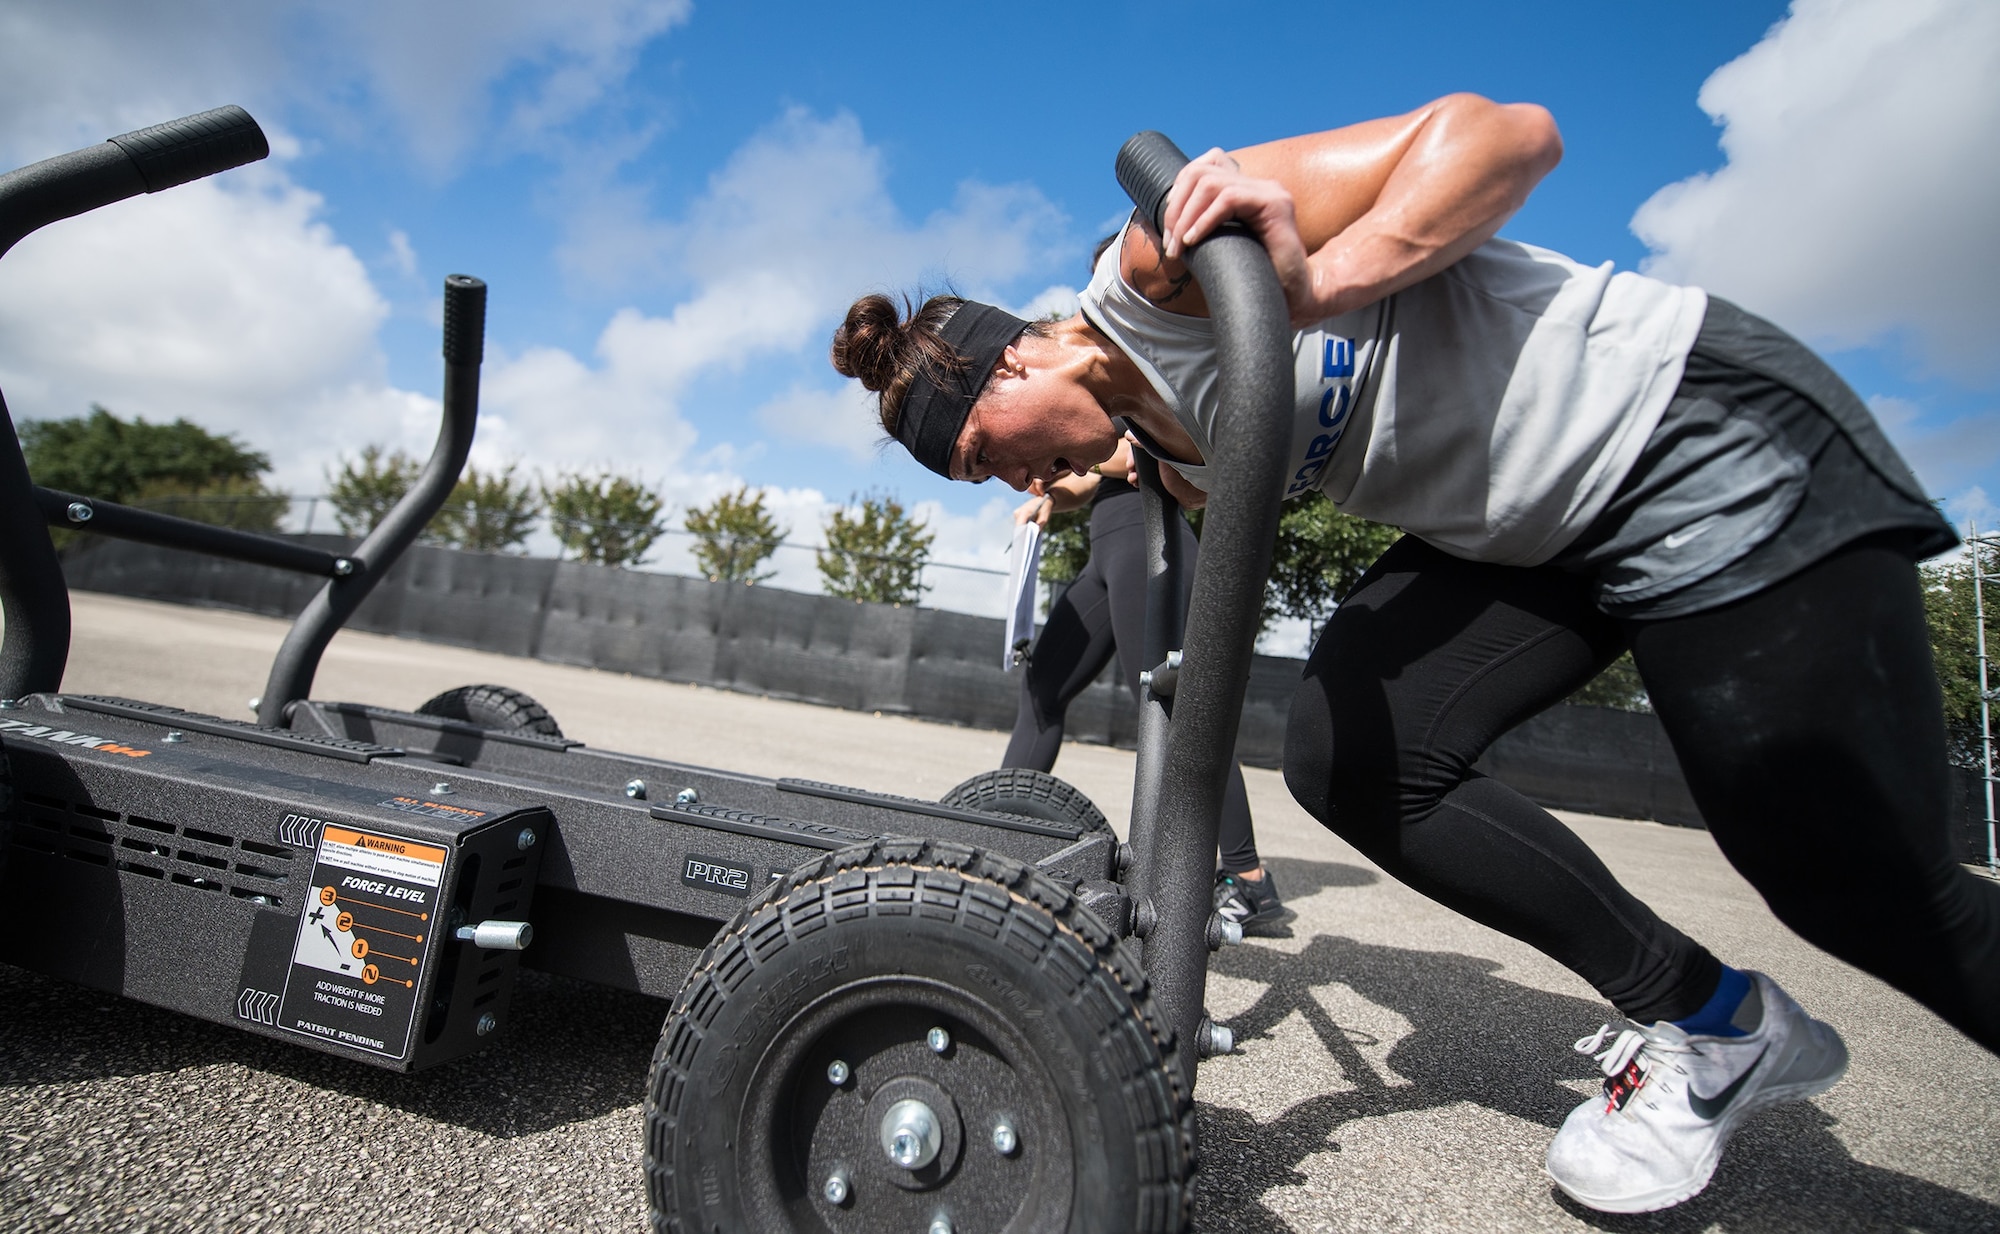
(496, 707)
(855, 958)
(1027, 794)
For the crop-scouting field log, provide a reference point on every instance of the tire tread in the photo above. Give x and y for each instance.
(495, 707)
(1035, 795)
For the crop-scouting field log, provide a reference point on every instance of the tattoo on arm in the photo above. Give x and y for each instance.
(1176, 284)
(1179, 285)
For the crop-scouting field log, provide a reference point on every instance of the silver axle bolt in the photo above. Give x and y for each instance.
(910, 1134)
(835, 1190)
(1213, 1040)
(1004, 1140)
(941, 1225)
(938, 1040)
(837, 1073)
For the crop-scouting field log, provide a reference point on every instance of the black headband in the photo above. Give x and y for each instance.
(937, 403)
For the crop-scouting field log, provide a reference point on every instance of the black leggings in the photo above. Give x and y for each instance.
(1806, 717)
(1101, 613)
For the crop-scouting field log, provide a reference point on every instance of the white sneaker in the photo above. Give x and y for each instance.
(1672, 1101)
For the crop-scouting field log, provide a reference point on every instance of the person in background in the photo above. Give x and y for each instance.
(1103, 613)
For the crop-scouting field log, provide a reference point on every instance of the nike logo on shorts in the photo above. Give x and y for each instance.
(1678, 538)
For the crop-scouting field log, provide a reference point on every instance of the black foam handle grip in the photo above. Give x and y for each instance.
(464, 319)
(1146, 167)
(193, 146)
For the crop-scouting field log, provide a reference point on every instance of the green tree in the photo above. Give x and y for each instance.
(1065, 546)
(733, 535)
(178, 468)
(608, 519)
(1319, 555)
(1617, 686)
(364, 490)
(875, 552)
(1948, 603)
(488, 512)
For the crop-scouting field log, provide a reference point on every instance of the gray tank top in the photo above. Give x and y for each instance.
(1491, 409)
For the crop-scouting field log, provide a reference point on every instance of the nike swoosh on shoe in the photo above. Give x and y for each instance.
(1711, 1108)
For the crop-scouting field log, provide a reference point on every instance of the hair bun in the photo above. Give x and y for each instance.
(869, 345)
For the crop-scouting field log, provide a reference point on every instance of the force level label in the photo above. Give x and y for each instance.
(358, 961)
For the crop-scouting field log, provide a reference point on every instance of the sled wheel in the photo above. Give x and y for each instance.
(1027, 794)
(494, 707)
(928, 989)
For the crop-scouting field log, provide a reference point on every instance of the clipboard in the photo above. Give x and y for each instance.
(1024, 568)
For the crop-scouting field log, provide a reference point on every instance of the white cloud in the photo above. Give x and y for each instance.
(805, 203)
(401, 257)
(1973, 508)
(1057, 301)
(979, 540)
(843, 418)
(72, 74)
(231, 304)
(1946, 456)
(1858, 200)
(433, 65)
(793, 226)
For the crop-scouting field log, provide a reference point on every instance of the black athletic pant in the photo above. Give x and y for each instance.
(1806, 717)
(1101, 613)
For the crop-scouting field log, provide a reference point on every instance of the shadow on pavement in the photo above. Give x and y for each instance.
(1475, 1037)
(572, 1052)
(1298, 879)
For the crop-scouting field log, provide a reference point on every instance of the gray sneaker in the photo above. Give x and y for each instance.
(1253, 905)
(1672, 1101)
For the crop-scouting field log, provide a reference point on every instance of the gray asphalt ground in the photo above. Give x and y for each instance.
(1399, 1069)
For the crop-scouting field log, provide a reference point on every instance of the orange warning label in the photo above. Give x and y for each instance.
(385, 844)
(371, 903)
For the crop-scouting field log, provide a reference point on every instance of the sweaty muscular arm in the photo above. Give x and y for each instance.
(1358, 213)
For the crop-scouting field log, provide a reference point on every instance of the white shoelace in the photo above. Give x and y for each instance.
(1612, 1061)
(1630, 1043)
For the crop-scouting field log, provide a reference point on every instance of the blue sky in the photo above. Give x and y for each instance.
(674, 201)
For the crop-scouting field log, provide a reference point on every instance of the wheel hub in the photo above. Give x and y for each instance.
(910, 1134)
(919, 1132)
(858, 1086)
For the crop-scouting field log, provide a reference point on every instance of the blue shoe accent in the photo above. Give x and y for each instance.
(1715, 1017)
